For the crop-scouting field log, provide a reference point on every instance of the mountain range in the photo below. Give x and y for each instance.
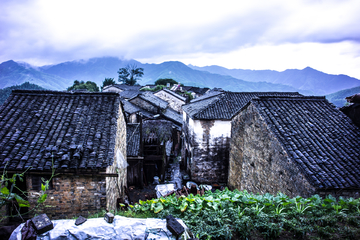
(60, 76)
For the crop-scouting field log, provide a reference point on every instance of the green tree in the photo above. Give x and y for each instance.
(107, 82)
(164, 81)
(90, 86)
(130, 74)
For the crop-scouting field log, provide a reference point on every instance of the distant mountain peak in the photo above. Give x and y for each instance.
(310, 69)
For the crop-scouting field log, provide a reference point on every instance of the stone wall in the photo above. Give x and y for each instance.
(174, 102)
(72, 195)
(258, 162)
(115, 185)
(208, 143)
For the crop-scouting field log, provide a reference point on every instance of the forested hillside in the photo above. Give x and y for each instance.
(5, 93)
(338, 98)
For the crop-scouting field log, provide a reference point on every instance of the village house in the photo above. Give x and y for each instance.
(296, 145)
(175, 100)
(81, 135)
(206, 132)
(134, 113)
(196, 91)
(156, 106)
(353, 109)
(125, 91)
(153, 116)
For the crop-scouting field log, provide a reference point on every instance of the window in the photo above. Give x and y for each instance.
(38, 180)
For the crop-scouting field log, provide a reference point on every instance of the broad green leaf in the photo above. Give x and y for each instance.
(42, 198)
(158, 208)
(24, 204)
(5, 190)
(183, 206)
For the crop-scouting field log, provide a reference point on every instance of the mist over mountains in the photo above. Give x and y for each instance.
(60, 76)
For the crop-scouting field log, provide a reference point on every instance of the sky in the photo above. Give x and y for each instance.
(266, 34)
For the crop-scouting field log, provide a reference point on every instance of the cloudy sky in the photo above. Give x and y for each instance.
(266, 34)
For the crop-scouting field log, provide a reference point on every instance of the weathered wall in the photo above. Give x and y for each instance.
(145, 105)
(112, 89)
(174, 102)
(208, 142)
(258, 162)
(115, 185)
(71, 196)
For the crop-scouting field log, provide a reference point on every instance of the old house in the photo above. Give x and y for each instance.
(353, 109)
(149, 102)
(125, 91)
(154, 117)
(133, 113)
(206, 132)
(81, 135)
(295, 145)
(196, 91)
(175, 100)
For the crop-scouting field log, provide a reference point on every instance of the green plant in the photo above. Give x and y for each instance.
(300, 204)
(16, 201)
(239, 214)
(279, 210)
(130, 74)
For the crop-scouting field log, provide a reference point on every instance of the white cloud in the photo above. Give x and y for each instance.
(238, 34)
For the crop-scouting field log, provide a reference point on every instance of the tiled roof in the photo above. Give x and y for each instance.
(125, 87)
(198, 90)
(154, 100)
(76, 130)
(125, 91)
(133, 139)
(317, 136)
(224, 105)
(173, 116)
(131, 108)
(173, 94)
(129, 93)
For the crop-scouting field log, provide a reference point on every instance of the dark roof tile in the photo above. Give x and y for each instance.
(326, 146)
(39, 127)
(133, 139)
(224, 105)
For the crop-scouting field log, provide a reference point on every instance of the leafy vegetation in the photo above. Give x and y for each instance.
(239, 215)
(155, 89)
(90, 86)
(107, 82)
(165, 81)
(15, 198)
(5, 93)
(130, 74)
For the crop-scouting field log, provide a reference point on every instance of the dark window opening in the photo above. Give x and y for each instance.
(38, 180)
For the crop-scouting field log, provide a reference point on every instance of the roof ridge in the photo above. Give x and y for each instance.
(222, 95)
(204, 97)
(36, 92)
(291, 97)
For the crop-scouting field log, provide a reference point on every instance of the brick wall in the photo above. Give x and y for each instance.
(71, 196)
(258, 162)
